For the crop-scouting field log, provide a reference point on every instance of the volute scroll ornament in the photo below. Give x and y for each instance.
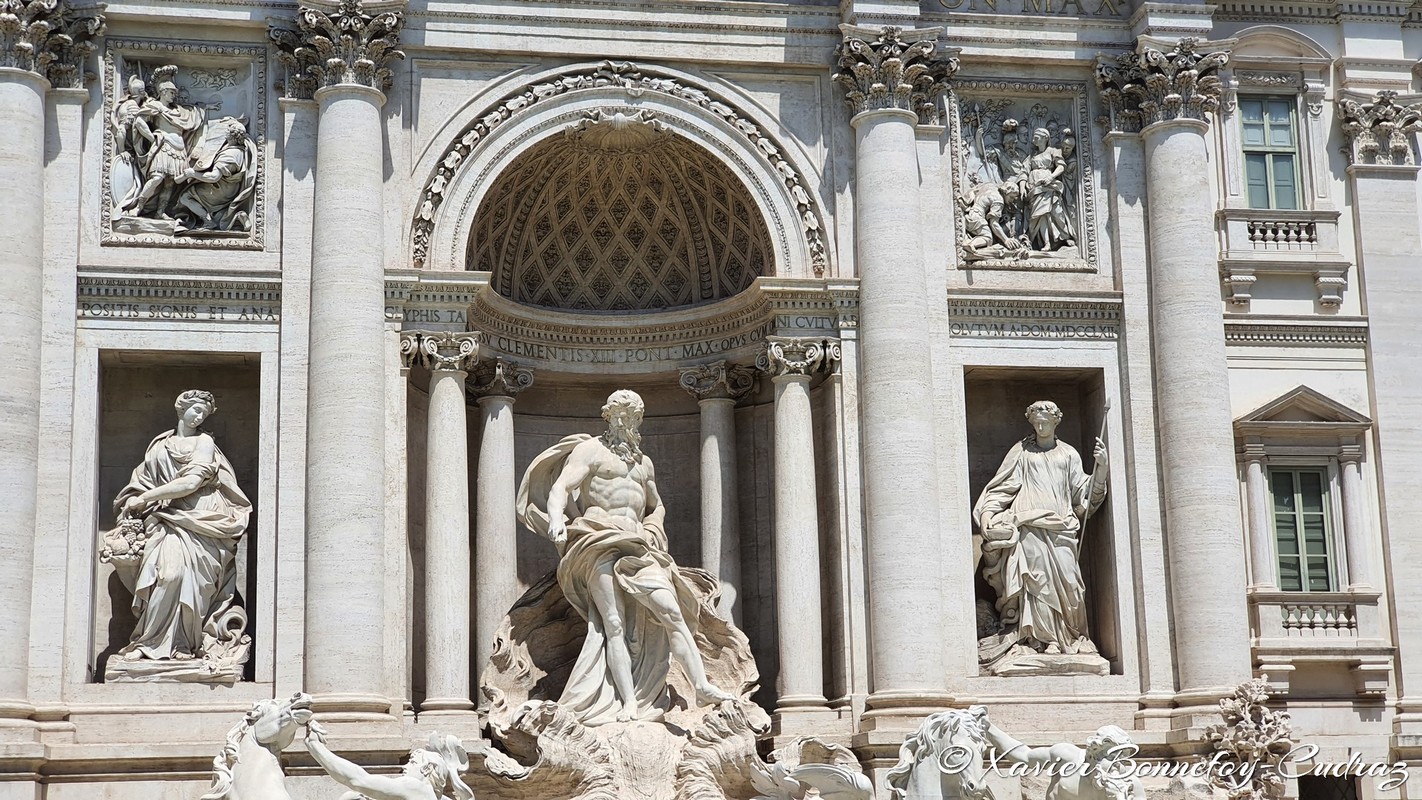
(892, 67)
(797, 356)
(500, 377)
(718, 380)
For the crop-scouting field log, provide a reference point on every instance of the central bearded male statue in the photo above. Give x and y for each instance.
(596, 499)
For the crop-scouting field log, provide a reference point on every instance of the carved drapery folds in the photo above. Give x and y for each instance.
(46, 37)
(798, 356)
(1151, 85)
(348, 45)
(499, 378)
(1380, 132)
(893, 67)
(439, 350)
(718, 380)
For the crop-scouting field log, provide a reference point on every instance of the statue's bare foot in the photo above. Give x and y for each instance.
(627, 713)
(709, 695)
(133, 655)
(1053, 649)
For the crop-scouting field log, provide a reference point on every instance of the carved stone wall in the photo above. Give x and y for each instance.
(618, 214)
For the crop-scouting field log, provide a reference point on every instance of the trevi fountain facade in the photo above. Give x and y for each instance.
(715, 399)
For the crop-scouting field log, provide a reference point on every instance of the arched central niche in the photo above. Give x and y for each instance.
(618, 214)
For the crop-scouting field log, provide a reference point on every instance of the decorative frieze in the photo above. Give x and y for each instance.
(797, 356)
(1380, 132)
(184, 162)
(346, 46)
(48, 38)
(1022, 176)
(1351, 333)
(439, 351)
(499, 377)
(1149, 85)
(630, 78)
(892, 67)
(720, 379)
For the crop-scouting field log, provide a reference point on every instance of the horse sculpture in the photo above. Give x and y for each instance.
(943, 759)
(249, 766)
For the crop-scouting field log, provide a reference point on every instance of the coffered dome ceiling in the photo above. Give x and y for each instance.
(618, 214)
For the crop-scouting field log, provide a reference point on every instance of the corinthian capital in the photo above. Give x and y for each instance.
(439, 350)
(796, 356)
(718, 380)
(47, 38)
(1151, 85)
(892, 67)
(1380, 132)
(344, 45)
(500, 378)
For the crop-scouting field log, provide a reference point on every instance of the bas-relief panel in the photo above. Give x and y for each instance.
(1022, 176)
(184, 154)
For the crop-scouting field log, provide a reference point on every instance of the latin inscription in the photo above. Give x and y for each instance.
(1018, 330)
(177, 311)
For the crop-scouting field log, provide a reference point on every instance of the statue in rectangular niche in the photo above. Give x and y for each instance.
(1032, 515)
(173, 171)
(1018, 183)
(175, 548)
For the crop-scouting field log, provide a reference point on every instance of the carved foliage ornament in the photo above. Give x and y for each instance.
(895, 69)
(718, 380)
(1252, 734)
(1148, 86)
(628, 76)
(347, 46)
(1380, 132)
(46, 37)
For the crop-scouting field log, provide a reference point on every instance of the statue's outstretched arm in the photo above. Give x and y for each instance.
(375, 787)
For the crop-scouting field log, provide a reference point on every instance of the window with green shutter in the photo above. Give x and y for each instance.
(1302, 529)
(1271, 151)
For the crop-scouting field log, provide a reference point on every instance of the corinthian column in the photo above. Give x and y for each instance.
(42, 44)
(717, 387)
(791, 363)
(448, 357)
(1381, 134)
(343, 58)
(497, 384)
(1167, 96)
(889, 78)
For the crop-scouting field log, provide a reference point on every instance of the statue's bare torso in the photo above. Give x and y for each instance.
(610, 483)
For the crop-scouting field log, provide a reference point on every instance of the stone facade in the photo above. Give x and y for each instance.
(836, 247)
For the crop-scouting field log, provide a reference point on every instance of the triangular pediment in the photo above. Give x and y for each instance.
(1304, 405)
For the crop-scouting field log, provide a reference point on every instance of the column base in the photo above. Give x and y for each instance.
(352, 707)
(902, 710)
(1196, 709)
(446, 705)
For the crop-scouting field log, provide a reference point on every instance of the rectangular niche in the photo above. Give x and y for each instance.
(996, 402)
(991, 131)
(137, 391)
(216, 126)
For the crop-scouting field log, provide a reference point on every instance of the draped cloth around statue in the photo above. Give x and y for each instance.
(1035, 505)
(641, 565)
(188, 574)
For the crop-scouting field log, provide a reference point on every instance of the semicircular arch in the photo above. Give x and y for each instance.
(553, 102)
